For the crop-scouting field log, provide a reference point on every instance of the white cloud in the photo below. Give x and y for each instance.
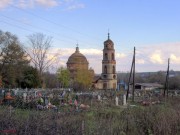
(67, 51)
(149, 58)
(22, 4)
(174, 59)
(29, 3)
(159, 54)
(76, 6)
(94, 57)
(140, 61)
(68, 1)
(47, 3)
(66, 4)
(120, 55)
(156, 57)
(5, 3)
(91, 51)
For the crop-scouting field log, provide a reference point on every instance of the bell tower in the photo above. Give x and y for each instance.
(109, 76)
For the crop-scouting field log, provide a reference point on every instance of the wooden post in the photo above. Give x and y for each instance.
(133, 76)
(127, 94)
(166, 89)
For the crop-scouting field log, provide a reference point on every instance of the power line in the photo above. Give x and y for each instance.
(16, 26)
(23, 28)
(38, 27)
(35, 26)
(59, 25)
(73, 39)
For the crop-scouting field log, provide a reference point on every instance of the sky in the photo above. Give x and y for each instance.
(151, 26)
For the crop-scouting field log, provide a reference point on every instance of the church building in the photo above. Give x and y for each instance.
(108, 78)
(78, 61)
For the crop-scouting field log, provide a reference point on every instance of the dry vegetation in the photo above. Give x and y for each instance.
(161, 119)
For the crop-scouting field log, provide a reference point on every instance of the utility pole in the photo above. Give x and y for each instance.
(129, 79)
(166, 88)
(133, 75)
(132, 70)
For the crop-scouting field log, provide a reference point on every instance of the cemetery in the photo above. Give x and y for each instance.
(63, 111)
(76, 101)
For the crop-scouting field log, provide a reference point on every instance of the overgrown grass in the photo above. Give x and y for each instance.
(161, 119)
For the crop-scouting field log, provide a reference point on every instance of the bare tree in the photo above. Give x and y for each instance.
(40, 46)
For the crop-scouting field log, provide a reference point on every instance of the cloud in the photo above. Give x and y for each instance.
(120, 55)
(91, 51)
(156, 57)
(76, 6)
(73, 5)
(66, 4)
(47, 3)
(140, 61)
(67, 51)
(25, 4)
(5, 3)
(148, 58)
(29, 3)
(159, 53)
(68, 1)
(175, 59)
(22, 4)
(94, 57)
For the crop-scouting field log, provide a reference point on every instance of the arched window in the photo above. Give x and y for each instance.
(104, 85)
(114, 71)
(112, 56)
(114, 85)
(105, 56)
(105, 69)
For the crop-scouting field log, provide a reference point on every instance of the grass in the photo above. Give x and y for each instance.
(158, 119)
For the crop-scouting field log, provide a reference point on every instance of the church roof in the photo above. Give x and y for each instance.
(77, 58)
(108, 41)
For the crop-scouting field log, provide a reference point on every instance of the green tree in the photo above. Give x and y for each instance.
(63, 76)
(1, 84)
(174, 82)
(158, 77)
(83, 79)
(13, 59)
(31, 78)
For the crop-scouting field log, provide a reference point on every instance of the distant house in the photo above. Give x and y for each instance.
(148, 86)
